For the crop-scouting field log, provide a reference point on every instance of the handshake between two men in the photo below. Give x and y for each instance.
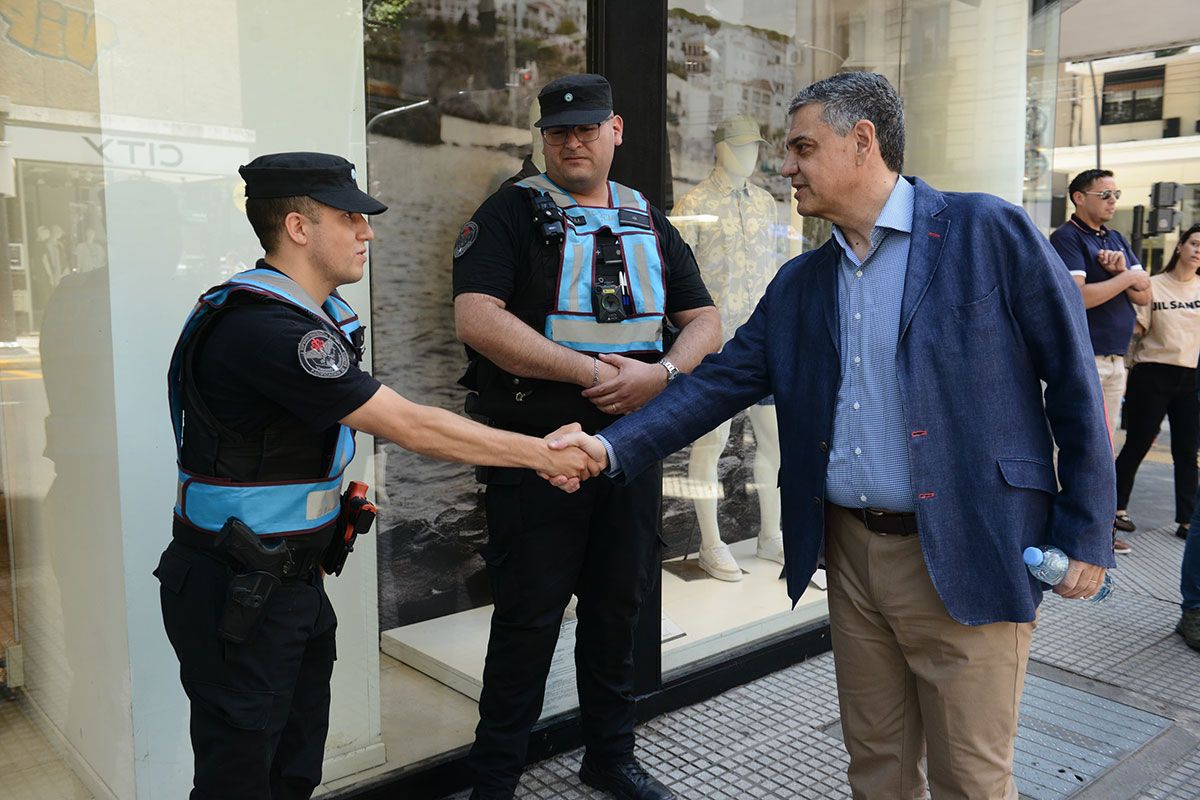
(623, 385)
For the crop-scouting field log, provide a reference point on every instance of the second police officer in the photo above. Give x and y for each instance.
(564, 284)
(266, 394)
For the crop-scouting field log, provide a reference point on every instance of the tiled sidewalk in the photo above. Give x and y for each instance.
(1111, 707)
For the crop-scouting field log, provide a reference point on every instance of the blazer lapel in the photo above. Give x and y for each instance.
(925, 249)
(827, 267)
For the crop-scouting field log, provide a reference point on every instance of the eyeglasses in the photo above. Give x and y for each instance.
(1106, 194)
(584, 133)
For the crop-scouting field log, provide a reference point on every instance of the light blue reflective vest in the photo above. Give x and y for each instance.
(571, 321)
(268, 508)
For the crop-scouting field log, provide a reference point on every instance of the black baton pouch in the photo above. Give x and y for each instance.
(245, 605)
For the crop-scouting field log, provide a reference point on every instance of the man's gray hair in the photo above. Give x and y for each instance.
(847, 97)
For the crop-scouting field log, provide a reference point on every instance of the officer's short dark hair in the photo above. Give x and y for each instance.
(1084, 180)
(847, 97)
(266, 215)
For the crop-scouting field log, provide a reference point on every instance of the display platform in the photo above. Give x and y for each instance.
(702, 618)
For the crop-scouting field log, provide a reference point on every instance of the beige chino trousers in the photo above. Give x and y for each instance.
(913, 682)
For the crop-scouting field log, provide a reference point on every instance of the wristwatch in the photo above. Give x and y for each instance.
(672, 371)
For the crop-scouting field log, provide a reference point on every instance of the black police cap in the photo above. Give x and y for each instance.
(581, 99)
(325, 178)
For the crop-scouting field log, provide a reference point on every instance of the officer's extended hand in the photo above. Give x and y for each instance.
(1112, 260)
(635, 384)
(578, 464)
(1082, 581)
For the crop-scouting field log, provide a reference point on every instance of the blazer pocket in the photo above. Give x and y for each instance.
(977, 308)
(1025, 473)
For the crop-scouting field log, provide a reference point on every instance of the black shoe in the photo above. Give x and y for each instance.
(1181, 532)
(1124, 523)
(624, 779)
(1189, 627)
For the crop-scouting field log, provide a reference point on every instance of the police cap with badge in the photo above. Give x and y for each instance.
(325, 178)
(330, 180)
(580, 99)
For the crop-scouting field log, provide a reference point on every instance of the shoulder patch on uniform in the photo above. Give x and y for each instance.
(322, 355)
(466, 238)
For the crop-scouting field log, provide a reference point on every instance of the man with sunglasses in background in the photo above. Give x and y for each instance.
(563, 285)
(1112, 282)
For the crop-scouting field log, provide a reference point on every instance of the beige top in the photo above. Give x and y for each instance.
(738, 251)
(1171, 322)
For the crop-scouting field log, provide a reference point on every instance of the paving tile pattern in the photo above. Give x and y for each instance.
(1152, 569)
(1181, 783)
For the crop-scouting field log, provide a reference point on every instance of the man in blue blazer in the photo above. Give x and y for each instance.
(924, 361)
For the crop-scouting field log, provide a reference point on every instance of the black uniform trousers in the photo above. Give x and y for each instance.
(259, 710)
(600, 544)
(1155, 391)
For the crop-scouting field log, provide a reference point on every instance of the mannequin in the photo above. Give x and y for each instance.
(737, 258)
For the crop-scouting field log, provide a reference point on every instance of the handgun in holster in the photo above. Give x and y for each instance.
(357, 517)
(261, 568)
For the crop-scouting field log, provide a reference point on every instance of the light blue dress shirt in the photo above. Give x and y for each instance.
(868, 457)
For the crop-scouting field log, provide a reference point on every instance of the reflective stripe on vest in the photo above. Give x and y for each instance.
(267, 508)
(571, 321)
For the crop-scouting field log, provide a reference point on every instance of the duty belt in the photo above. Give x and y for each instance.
(304, 550)
(885, 523)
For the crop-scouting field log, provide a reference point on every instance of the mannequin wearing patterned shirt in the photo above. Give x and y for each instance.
(737, 258)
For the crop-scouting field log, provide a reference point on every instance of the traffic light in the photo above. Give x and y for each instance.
(1164, 217)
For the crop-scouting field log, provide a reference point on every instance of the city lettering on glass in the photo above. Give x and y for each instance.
(53, 30)
(136, 152)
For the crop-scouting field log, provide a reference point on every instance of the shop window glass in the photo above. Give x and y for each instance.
(451, 94)
(121, 133)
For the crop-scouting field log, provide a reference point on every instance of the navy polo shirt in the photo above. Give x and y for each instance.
(1110, 324)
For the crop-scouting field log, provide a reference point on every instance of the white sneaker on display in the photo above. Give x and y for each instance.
(771, 548)
(718, 562)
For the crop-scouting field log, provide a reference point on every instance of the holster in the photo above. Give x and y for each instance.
(249, 591)
(356, 518)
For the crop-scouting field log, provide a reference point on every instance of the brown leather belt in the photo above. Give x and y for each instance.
(885, 523)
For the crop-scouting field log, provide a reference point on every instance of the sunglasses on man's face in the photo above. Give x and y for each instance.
(1106, 194)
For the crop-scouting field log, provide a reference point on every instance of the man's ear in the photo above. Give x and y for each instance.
(297, 227)
(863, 134)
(618, 126)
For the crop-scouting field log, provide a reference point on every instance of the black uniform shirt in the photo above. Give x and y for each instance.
(249, 371)
(508, 261)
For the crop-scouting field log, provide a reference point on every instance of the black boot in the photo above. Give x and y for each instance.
(623, 778)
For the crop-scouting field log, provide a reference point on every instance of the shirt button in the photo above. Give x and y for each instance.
(856, 406)
(858, 451)
(857, 316)
(858, 274)
(862, 498)
(857, 359)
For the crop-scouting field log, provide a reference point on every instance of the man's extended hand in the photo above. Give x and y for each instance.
(1082, 581)
(570, 437)
(1112, 260)
(569, 462)
(635, 384)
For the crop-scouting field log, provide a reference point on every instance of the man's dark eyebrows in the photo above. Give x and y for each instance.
(795, 140)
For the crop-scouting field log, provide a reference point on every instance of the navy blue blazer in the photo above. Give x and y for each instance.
(989, 313)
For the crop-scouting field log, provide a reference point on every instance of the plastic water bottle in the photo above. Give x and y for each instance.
(1049, 565)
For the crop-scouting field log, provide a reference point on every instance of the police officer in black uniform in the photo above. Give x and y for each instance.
(266, 394)
(563, 283)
